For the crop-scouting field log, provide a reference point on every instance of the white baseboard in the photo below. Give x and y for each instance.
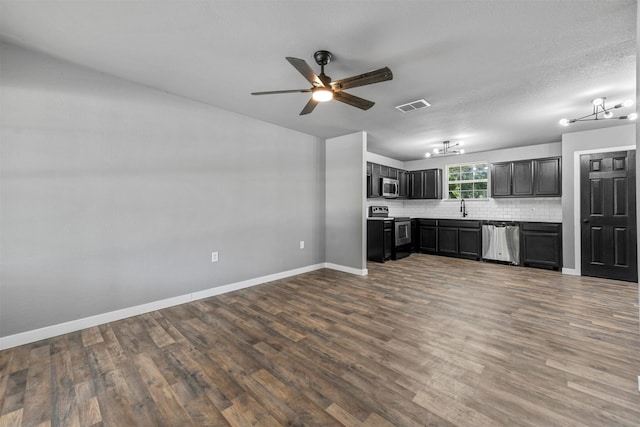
(345, 269)
(570, 271)
(211, 292)
(100, 319)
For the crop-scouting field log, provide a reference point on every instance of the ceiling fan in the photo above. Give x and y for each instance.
(323, 89)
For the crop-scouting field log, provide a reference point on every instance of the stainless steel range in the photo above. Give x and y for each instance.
(401, 230)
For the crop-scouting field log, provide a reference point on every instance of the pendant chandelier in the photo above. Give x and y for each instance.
(602, 112)
(448, 148)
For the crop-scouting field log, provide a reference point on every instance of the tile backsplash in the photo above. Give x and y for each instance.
(542, 209)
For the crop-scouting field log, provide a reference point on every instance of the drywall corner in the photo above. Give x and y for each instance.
(345, 200)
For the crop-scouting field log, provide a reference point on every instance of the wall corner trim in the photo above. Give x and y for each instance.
(570, 271)
(112, 316)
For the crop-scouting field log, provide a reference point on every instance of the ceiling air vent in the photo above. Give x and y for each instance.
(413, 105)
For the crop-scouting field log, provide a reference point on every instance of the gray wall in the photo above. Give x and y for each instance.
(599, 139)
(345, 199)
(115, 195)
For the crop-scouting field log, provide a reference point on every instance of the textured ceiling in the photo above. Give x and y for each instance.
(497, 73)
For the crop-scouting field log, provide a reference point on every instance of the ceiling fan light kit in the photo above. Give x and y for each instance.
(323, 89)
(601, 112)
(321, 94)
(448, 148)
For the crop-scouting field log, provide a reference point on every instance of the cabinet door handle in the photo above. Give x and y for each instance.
(586, 221)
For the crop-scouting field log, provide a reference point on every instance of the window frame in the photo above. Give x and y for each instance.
(488, 179)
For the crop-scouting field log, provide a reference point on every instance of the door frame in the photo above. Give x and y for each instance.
(577, 243)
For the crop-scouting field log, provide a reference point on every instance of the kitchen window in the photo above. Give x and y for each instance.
(468, 181)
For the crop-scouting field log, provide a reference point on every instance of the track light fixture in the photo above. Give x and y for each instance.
(447, 149)
(601, 112)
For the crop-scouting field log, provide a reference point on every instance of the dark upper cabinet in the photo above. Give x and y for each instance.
(548, 177)
(415, 185)
(376, 171)
(522, 180)
(403, 178)
(526, 178)
(541, 244)
(388, 172)
(433, 184)
(422, 184)
(375, 181)
(500, 179)
(425, 184)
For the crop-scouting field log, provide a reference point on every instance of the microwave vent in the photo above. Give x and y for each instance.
(413, 105)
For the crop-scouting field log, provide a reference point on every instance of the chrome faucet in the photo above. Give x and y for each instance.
(463, 208)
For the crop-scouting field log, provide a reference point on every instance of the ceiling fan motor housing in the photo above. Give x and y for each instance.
(322, 57)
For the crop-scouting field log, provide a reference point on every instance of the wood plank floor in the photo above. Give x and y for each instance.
(424, 341)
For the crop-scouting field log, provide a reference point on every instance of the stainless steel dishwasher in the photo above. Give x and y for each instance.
(501, 241)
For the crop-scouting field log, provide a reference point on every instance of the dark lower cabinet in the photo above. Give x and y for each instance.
(448, 241)
(470, 242)
(541, 244)
(460, 238)
(428, 236)
(380, 240)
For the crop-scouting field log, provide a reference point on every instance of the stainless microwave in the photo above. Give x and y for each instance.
(389, 187)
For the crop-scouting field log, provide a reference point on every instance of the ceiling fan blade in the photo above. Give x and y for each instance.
(281, 91)
(304, 69)
(309, 107)
(371, 77)
(352, 100)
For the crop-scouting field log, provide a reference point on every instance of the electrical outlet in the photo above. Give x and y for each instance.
(214, 256)
(301, 244)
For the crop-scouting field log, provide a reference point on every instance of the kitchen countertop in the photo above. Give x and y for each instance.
(487, 219)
